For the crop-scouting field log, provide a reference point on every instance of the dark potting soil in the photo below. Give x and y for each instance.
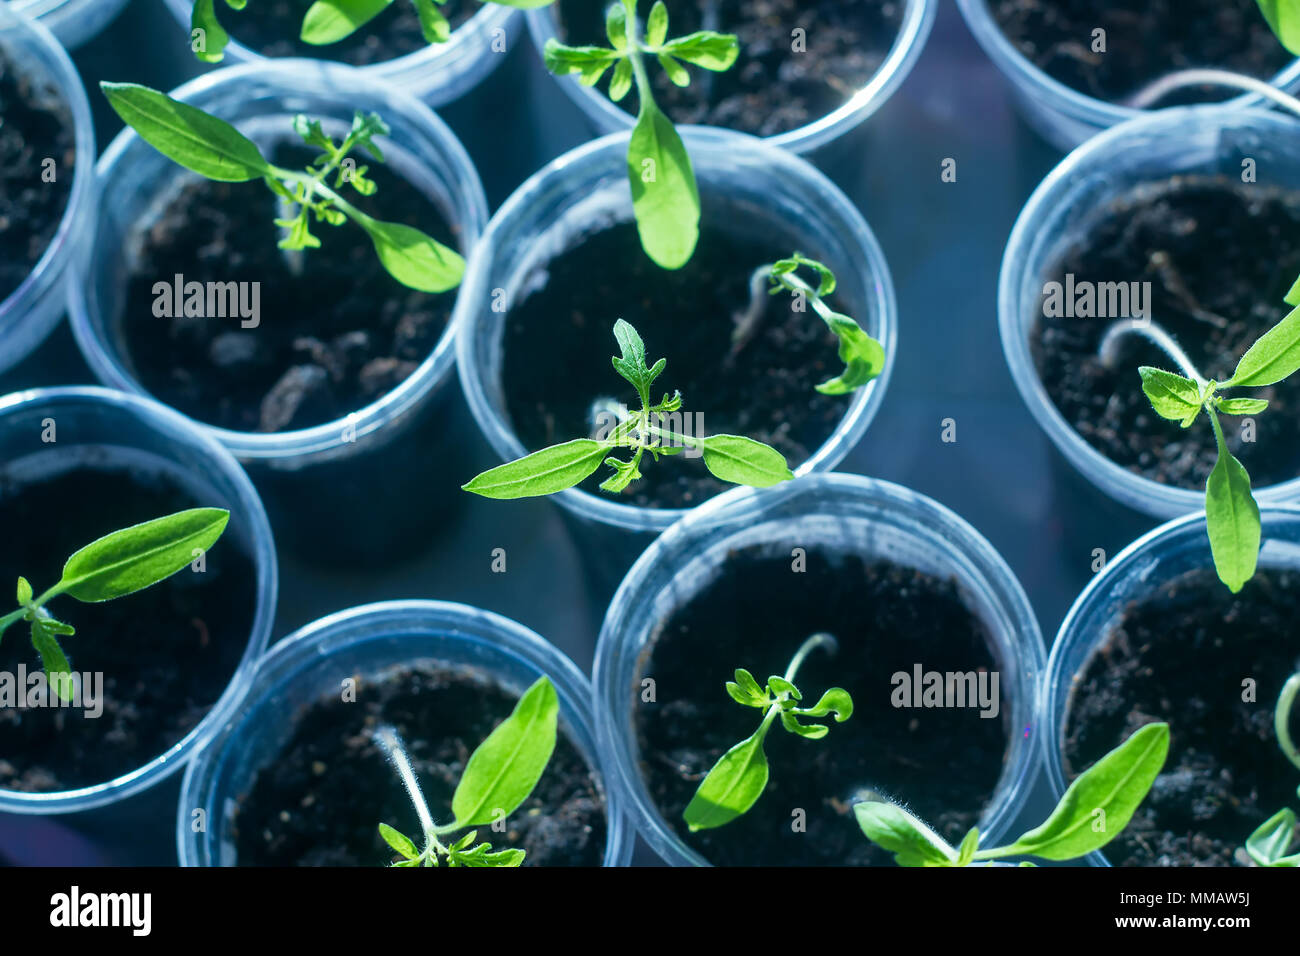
(272, 28)
(322, 800)
(943, 762)
(1144, 41)
(166, 653)
(335, 331)
(1220, 256)
(559, 341)
(37, 126)
(771, 88)
(1183, 655)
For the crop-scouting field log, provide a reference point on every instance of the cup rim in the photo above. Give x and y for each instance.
(452, 620)
(59, 259)
(179, 429)
(918, 20)
(740, 508)
(1071, 634)
(436, 367)
(1129, 488)
(1096, 112)
(701, 141)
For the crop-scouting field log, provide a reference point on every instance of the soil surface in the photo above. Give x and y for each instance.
(335, 331)
(322, 801)
(1182, 656)
(272, 27)
(1220, 256)
(166, 653)
(37, 126)
(772, 88)
(1144, 41)
(559, 341)
(943, 762)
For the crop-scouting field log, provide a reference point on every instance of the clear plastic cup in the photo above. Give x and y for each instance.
(1204, 140)
(918, 18)
(437, 74)
(844, 513)
(365, 640)
(262, 99)
(1062, 115)
(103, 428)
(1141, 569)
(72, 22)
(35, 307)
(765, 190)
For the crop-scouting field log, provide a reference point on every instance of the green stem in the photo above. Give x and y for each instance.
(1282, 718)
(820, 639)
(645, 96)
(388, 739)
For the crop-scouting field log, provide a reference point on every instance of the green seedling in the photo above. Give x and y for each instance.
(216, 150)
(1093, 811)
(498, 778)
(665, 197)
(111, 567)
(1269, 844)
(739, 777)
(327, 21)
(863, 356)
(731, 458)
(1231, 514)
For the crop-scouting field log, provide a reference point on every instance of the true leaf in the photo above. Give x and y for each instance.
(328, 21)
(676, 72)
(588, 62)
(203, 16)
(707, 49)
(625, 472)
(505, 768)
(1273, 357)
(1115, 785)
(743, 461)
(656, 25)
(24, 591)
(1172, 396)
(863, 356)
(204, 144)
(543, 472)
(971, 843)
(1242, 406)
(733, 786)
(399, 842)
(433, 25)
(836, 701)
(892, 828)
(1284, 17)
(414, 259)
(665, 197)
(135, 558)
(1231, 517)
(1267, 846)
(58, 673)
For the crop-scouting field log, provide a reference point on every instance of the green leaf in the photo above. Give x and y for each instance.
(656, 25)
(1274, 356)
(588, 62)
(399, 842)
(892, 828)
(480, 856)
(632, 364)
(1293, 296)
(328, 21)
(616, 26)
(414, 259)
(863, 356)
(1116, 784)
(783, 687)
(24, 591)
(625, 472)
(505, 768)
(676, 72)
(1242, 406)
(1172, 396)
(203, 17)
(58, 673)
(743, 461)
(1284, 17)
(745, 690)
(836, 701)
(1267, 846)
(971, 843)
(204, 144)
(433, 25)
(825, 277)
(665, 196)
(620, 83)
(707, 49)
(543, 472)
(134, 558)
(733, 785)
(811, 731)
(1231, 517)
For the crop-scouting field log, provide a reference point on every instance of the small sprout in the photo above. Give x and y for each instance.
(329, 21)
(498, 778)
(1093, 811)
(1231, 514)
(739, 777)
(216, 150)
(111, 567)
(863, 356)
(665, 197)
(1268, 845)
(732, 458)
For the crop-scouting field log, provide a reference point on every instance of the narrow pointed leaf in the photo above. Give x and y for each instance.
(414, 259)
(328, 21)
(399, 842)
(1231, 517)
(743, 461)
(543, 472)
(733, 786)
(1273, 357)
